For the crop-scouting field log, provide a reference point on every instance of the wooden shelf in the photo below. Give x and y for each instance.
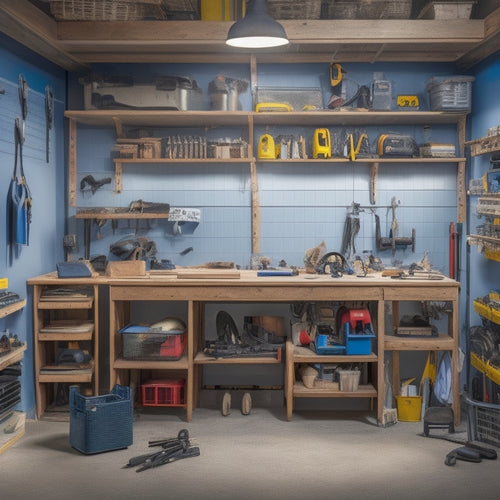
(119, 216)
(67, 376)
(168, 118)
(66, 304)
(14, 356)
(442, 342)
(158, 118)
(203, 359)
(364, 391)
(134, 364)
(17, 421)
(12, 308)
(76, 45)
(306, 355)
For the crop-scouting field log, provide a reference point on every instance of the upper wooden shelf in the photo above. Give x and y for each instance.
(76, 45)
(169, 118)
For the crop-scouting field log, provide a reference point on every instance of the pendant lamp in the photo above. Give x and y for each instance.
(257, 29)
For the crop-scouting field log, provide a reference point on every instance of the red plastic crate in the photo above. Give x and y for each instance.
(163, 392)
(173, 347)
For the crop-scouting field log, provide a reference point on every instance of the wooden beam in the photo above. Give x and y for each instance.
(311, 41)
(28, 25)
(489, 45)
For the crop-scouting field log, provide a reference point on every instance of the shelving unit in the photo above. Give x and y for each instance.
(296, 355)
(17, 419)
(488, 207)
(254, 121)
(64, 322)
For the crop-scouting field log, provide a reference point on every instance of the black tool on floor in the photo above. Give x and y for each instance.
(471, 452)
(172, 449)
(439, 417)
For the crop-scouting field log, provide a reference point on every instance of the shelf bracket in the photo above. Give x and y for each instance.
(118, 126)
(72, 163)
(118, 176)
(373, 182)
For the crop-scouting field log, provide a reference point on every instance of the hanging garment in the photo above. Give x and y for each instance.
(442, 386)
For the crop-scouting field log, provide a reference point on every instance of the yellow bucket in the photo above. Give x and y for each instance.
(409, 408)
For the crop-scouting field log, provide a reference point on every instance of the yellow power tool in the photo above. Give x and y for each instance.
(354, 150)
(322, 144)
(267, 148)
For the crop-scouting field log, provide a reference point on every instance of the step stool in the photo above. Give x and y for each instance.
(439, 417)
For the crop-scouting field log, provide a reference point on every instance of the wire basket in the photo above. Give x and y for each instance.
(483, 422)
(301, 9)
(369, 9)
(106, 10)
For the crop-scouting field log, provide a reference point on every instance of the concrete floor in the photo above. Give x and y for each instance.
(318, 455)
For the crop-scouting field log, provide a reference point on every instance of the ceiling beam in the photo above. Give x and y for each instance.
(28, 25)
(490, 44)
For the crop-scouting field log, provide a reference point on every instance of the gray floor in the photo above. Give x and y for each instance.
(317, 455)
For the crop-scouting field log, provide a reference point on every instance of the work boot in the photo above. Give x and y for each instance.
(226, 404)
(246, 403)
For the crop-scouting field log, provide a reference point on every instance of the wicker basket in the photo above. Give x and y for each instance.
(106, 10)
(298, 9)
(369, 9)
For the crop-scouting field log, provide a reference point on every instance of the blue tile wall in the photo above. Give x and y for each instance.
(300, 204)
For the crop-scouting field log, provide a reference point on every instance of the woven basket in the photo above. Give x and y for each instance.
(106, 10)
(298, 9)
(370, 9)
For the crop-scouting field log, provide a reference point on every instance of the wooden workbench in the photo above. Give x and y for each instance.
(196, 290)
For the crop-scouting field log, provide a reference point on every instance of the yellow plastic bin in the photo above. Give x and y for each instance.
(409, 408)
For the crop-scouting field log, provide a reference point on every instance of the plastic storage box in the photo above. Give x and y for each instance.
(450, 93)
(142, 344)
(349, 380)
(163, 392)
(101, 423)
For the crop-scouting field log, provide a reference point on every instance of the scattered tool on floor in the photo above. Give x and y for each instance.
(471, 452)
(172, 449)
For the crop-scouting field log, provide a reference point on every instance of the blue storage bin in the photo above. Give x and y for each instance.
(324, 345)
(358, 343)
(101, 423)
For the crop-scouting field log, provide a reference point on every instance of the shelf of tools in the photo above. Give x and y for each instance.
(484, 339)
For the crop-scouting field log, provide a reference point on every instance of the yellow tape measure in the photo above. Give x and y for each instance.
(407, 101)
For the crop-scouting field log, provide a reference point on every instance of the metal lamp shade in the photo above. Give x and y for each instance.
(257, 29)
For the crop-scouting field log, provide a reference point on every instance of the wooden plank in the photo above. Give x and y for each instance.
(208, 274)
(72, 162)
(12, 308)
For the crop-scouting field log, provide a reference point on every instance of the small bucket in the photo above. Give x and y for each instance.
(409, 408)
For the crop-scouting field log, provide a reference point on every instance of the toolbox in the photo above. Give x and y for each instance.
(358, 332)
(124, 92)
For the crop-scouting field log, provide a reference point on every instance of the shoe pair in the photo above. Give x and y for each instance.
(246, 404)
